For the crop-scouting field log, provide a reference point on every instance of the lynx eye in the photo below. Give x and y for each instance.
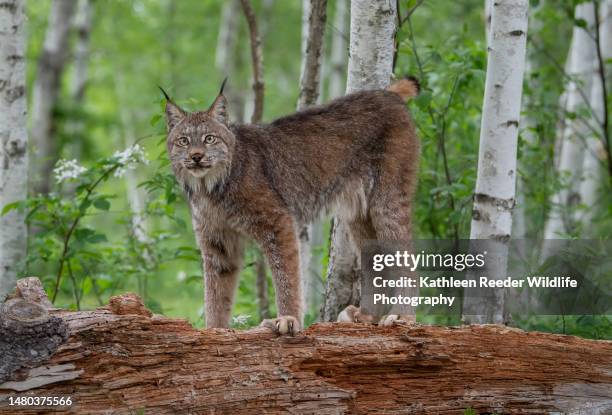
(183, 141)
(210, 139)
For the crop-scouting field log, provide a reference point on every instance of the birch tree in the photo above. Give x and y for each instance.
(13, 141)
(46, 90)
(339, 51)
(314, 18)
(488, 8)
(227, 55)
(580, 68)
(372, 28)
(595, 154)
(82, 28)
(494, 196)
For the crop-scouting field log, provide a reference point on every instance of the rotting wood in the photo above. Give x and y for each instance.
(136, 361)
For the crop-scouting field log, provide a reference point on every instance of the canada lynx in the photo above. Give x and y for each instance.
(356, 156)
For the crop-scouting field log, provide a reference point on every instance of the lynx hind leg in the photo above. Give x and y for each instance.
(361, 230)
(391, 211)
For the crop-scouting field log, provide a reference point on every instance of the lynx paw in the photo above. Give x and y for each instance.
(393, 319)
(352, 314)
(282, 325)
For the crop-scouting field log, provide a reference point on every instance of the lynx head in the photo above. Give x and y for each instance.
(200, 144)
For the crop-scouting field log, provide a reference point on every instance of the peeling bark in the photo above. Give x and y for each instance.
(124, 360)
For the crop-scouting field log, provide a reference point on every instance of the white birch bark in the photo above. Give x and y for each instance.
(580, 68)
(314, 17)
(594, 156)
(373, 24)
(488, 8)
(339, 51)
(82, 27)
(226, 41)
(135, 195)
(46, 90)
(13, 141)
(227, 55)
(494, 196)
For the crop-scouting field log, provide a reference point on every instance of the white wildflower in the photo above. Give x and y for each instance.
(67, 170)
(241, 319)
(129, 158)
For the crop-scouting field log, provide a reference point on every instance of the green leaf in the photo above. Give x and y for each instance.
(101, 204)
(10, 206)
(581, 23)
(154, 119)
(97, 238)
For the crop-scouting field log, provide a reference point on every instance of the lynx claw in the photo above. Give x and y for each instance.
(395, 319)
(282, 325)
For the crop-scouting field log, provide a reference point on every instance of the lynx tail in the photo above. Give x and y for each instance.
(407, 88)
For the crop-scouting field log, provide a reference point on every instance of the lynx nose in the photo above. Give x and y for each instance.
(196, 157)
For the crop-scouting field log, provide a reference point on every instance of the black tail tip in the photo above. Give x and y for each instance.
(415, 81)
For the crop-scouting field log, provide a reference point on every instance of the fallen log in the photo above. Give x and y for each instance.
(121, 359)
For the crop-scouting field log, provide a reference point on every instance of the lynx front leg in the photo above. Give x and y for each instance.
(281, 249)
(222, 263)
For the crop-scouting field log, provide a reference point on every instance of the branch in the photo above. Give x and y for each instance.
(604, 90)
(257, 60)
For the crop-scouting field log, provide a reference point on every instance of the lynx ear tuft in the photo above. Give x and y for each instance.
(174, 113)
(218, 109)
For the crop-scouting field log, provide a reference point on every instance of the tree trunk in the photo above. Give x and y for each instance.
(494, 195)
(580, 68)
(256, 61)
(13, 141)
(488, 9)
(227, 54)
(122, 359)
(339, 51)
(595, 154)
(82, 27)
(373, 26)
(314, 17)
(46, 91)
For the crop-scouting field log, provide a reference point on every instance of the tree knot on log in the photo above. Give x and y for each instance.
(128, 303)
(28, 335)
